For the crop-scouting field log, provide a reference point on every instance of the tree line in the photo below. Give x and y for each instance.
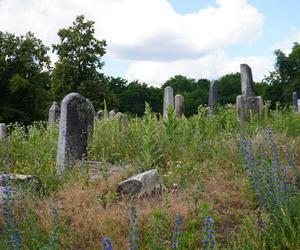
(29, 83)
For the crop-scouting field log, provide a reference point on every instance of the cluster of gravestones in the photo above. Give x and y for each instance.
(77, 113)
(169, 102)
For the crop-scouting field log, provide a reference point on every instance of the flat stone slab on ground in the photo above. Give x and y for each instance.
(140, 184)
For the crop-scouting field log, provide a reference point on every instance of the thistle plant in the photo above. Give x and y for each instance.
(177, 232)
(106, 243)
(209, 241)
(134, 238)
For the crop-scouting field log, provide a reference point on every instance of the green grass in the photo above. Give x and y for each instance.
(199, 162)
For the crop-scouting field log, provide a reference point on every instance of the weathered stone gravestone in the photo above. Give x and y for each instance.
(54, 114)
(248, 103)
(75, 127)
(111, 114)
(179, 105)
(212, 95)
(100, 114)
(168, 100)
(3, 131)
(298, 105)
(295, 101)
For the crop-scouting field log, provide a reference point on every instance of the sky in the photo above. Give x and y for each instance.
(153, 40)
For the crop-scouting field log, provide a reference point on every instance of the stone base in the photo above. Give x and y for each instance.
(247, 104)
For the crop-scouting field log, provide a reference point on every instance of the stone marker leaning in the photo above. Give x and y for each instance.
(75, 126)
(168, 100)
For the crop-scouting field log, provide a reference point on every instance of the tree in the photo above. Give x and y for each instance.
(133, 99)
(229, 87)
(286, 77)
(24, 78)
(79, 63)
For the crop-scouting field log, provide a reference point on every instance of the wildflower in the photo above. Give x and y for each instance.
(134, 238)
(177, 232)
(208, 241)
(106, 243)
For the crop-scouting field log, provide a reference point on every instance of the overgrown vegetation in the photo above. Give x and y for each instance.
(215, 197)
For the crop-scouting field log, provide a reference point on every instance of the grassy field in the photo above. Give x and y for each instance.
(227, 186)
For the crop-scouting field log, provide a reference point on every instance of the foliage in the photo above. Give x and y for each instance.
(79, 62)
(24, 78)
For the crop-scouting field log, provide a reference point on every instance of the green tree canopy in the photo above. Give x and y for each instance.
(229, 87)
(286, 77)
(24, 78)
(79, 63)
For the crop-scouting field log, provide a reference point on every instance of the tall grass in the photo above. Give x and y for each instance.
(199, 161)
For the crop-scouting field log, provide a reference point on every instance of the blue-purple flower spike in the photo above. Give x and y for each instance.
(209, 241)
(177, 232)
(106, 243)
(134, 238)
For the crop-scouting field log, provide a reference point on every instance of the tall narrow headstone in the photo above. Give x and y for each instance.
(75, 127)
(179, 105)
(168, 100)
(3, 131)
(54, 113)
(247, 80)
(298, 105)
(212, 95)
(295, 101)
(248, 103)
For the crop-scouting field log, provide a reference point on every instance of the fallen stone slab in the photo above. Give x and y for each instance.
(141, 184)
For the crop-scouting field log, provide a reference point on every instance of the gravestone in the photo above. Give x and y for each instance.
(54, 113)
(295, 101)
(247, 80)
(100, 114)
(3, 131)
(75, 127)
(298, 105)
(212, 95)
(111, 114)
(179, 105)
(168, 100)
(248, 103)
(141, 184)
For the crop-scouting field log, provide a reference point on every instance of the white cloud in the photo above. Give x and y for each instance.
(140, 29)
(211, 66)
(287, 44)
(158, 41)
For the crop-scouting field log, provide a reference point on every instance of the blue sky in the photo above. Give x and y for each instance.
(152, 40)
